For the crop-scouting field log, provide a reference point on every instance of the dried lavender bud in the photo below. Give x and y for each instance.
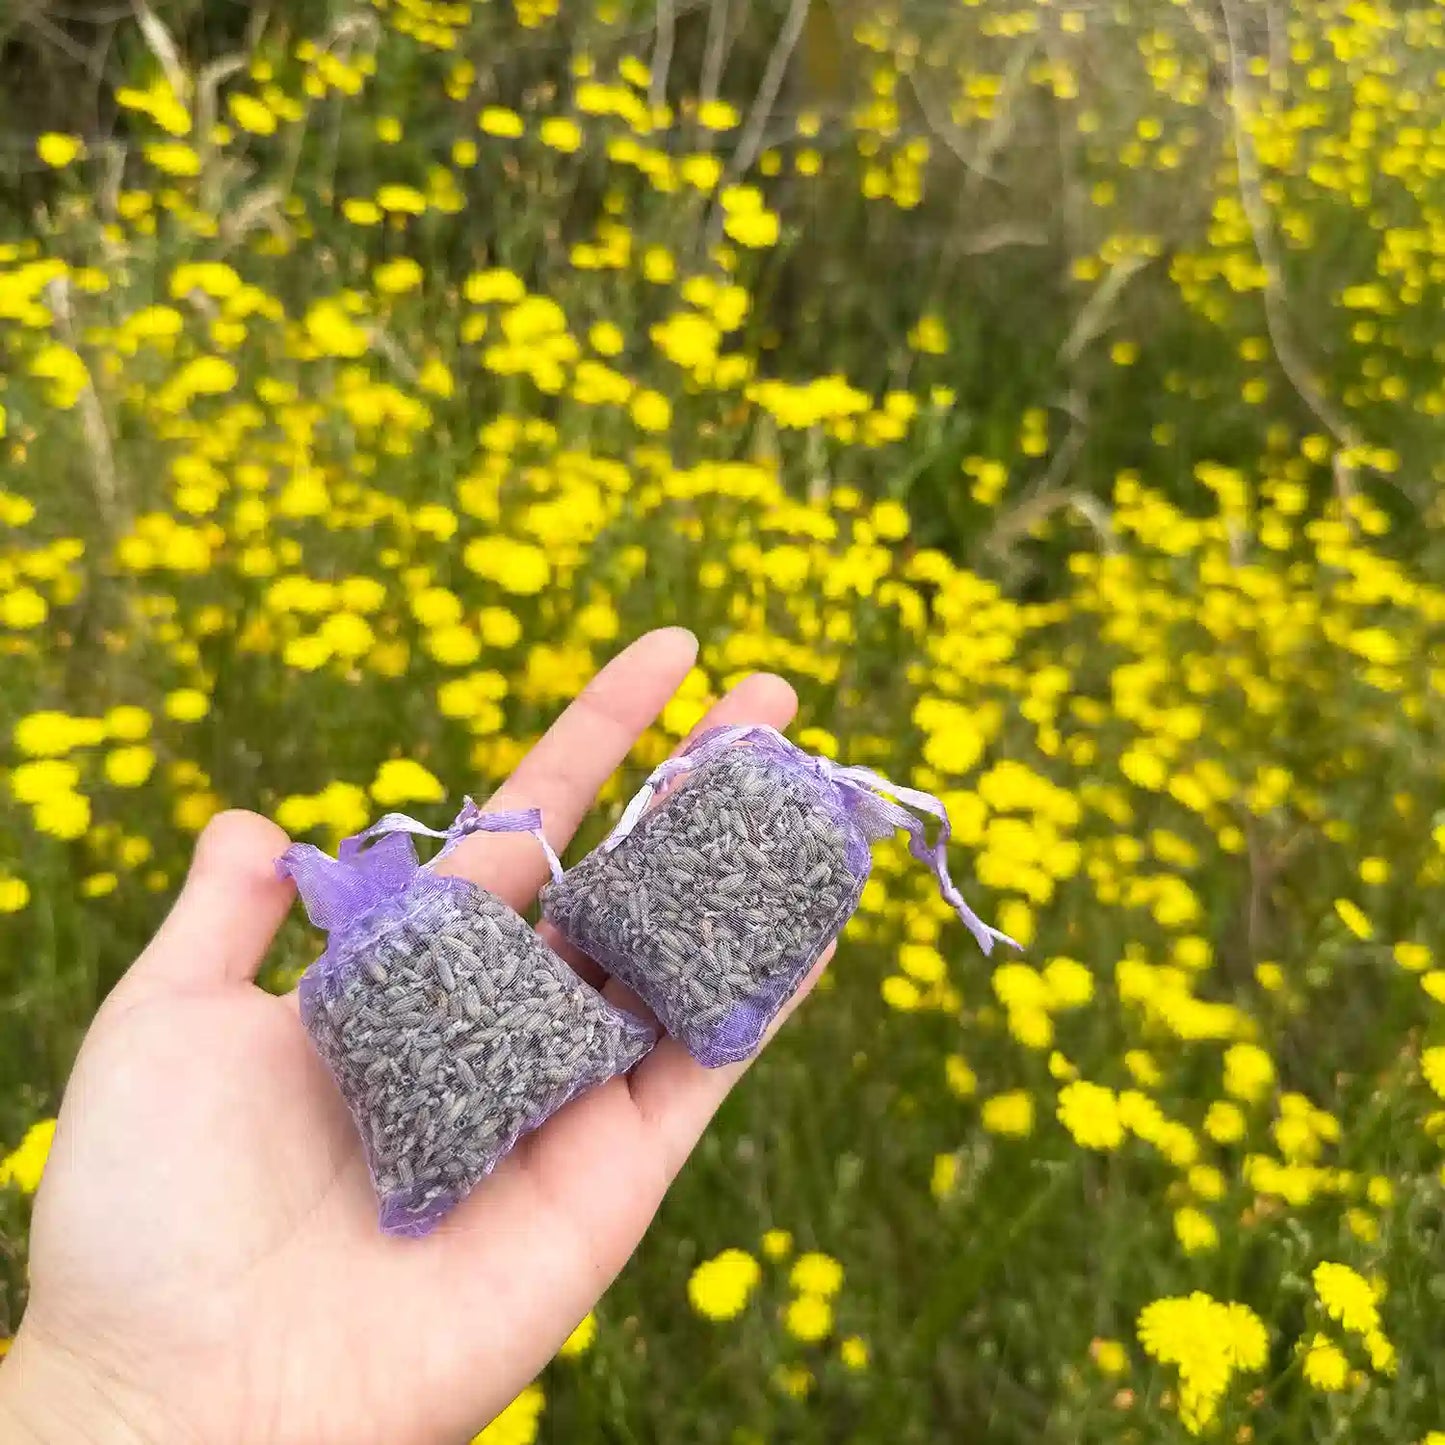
(712, 929)
(713, 904)
(450, 1028)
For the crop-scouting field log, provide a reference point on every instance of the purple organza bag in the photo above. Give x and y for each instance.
(727, 876)
(450, 1028)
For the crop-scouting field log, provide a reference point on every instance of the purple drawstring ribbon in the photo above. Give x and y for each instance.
(885, 802)
(338, 891)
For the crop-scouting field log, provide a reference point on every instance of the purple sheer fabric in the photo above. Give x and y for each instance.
(375, 879)
(867, 796)
(712, 910)
(446, 1022)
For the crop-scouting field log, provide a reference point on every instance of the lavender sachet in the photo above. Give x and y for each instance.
(727, 876)
(450, 1028)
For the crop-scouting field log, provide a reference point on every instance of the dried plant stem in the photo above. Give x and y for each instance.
(714, 51)
(662, 52)
(750, 143)
(104, 475)
(1276, 295)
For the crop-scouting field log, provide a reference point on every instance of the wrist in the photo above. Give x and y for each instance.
(48, 1395)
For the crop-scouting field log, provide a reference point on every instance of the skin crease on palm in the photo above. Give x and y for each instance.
(206, 1263)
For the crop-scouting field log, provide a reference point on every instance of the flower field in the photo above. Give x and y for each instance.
(1051, 391)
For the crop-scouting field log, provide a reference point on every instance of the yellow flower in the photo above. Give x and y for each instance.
(945, 1176)
(560, 133)
(1209, 1342)
(401, 200)
(1354, 919)
(129, 767)
(1325, 1365)
(332, 331)
(899, 992)
(1382, 1355)
(251, 113)
(518, 1423)
(929, 335)
(1346, 1297)
(1248, 1071)
(23, 608)
(59, 150)
(127, 723)
(719, 1288)
(52, 734)
(187, 704)
(1195, 1230)
(22, 1169)
(518, 567)
(400, 780)
(360, 211)
(1090, 1112)
(922, 963)
(298, 814)
(793, 1380)
(1010, 1115)
(809, 1318)
(1224, 1122)
(398, 276)
(194, 810)
(495, 285)
(1109, 1355)
(63, 815)
(606, 339)
(717, 115)
(498, 627)
(777, 1244)
(754, 229)
(1068, 983)
(1432, 1066)
(651, 411)
(37, 781)
(853, 1351)
(580, 1340)
(173, 158)
(14, 893)
(455, 646)
(1413, 957)
(498, 121)
(961, 1080)
(817, 1274)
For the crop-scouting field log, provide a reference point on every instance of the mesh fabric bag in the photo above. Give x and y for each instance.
(730, 872)
(450, 1028)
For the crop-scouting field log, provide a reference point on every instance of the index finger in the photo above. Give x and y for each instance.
(564, 769)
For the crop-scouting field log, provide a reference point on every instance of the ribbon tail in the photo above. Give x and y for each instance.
(631, 814)
(934, 857)
(472, 819)
(984, 933)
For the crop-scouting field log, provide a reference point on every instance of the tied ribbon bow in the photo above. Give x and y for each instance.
(337, 891)
(880, 801)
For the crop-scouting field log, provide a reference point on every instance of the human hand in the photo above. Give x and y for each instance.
(206, 1263)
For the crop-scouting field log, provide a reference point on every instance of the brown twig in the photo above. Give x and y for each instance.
(714, 50)
(662, 52)
(1276, 295)
(105, 477)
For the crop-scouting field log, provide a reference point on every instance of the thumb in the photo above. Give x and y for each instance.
(228, 911)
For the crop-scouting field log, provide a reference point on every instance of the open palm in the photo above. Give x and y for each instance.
(206, 1261)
